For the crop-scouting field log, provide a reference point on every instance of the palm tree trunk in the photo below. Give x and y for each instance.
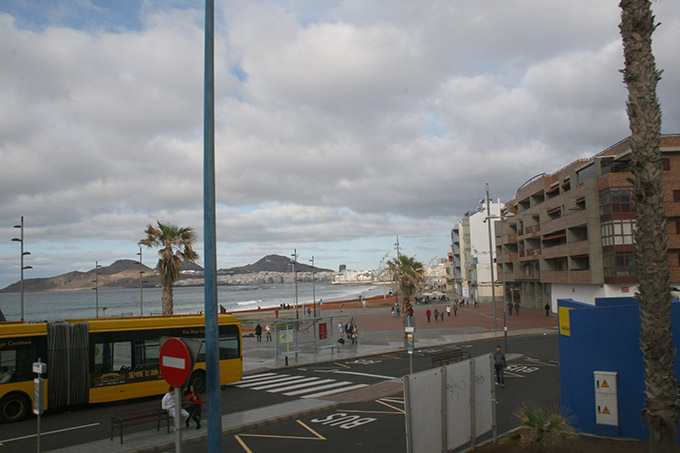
(644, 113)
(167, 300)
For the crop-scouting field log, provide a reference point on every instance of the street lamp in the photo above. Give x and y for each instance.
(313, 287)
(295, 257)
(141, 285)
(493, 281)
(488, 219)
(23, 253)
(96, 286)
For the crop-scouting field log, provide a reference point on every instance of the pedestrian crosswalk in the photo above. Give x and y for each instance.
(300, 386)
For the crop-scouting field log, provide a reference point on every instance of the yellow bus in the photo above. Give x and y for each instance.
(102, 360)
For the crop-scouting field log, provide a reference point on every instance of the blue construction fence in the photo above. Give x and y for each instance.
(606, 337)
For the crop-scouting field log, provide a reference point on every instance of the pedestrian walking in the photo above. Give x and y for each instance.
(455, 310)
(448, 311)
(394, 313)
(517, 308)
(258, 333)
(547, 309)
(436, 314)
(268, 330)
(499, 364)
(510, 308)
(428, 313)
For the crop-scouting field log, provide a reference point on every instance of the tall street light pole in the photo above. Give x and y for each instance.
(295, 257)
(141, 285)
(493, 281)
(23, 253)
(314, 287)
(96, 286)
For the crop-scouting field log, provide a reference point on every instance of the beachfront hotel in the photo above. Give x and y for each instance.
(569, 234)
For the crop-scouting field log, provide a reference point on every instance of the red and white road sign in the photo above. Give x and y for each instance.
(175, 361)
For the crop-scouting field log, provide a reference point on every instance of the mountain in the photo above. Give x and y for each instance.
(272, 263)
(120, 274)
(126, 274)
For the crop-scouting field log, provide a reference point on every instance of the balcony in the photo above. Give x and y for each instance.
(554, 277)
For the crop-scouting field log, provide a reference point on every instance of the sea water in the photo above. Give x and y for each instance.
(59, 305)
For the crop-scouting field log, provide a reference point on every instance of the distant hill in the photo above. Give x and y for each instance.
(120, 274)
(125, 274)
(272, 263)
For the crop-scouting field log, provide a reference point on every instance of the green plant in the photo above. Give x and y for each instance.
(540, 430)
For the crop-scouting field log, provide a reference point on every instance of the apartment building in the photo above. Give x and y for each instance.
(569, 234)
(469, 266)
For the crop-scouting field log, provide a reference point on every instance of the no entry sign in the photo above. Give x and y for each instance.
(176, 362)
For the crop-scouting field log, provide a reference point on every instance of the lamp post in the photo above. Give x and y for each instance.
(488, 219)
(96, 286)
(23, 253)
(141, 285)
(314, 287)
(493, 282)
(295, 256)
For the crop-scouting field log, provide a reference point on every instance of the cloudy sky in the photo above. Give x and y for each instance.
(339, 124)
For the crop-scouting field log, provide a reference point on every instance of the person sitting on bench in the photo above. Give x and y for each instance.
(168, 404)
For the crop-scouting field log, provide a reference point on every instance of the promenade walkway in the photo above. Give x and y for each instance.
(379, 332)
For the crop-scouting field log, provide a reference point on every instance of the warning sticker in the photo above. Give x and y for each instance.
(606, 411)
(604, 384)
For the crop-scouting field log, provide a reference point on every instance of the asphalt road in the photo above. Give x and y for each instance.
(379, 425)
(533, 379)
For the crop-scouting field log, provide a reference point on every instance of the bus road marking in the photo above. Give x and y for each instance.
(2, 442)
(316, 436)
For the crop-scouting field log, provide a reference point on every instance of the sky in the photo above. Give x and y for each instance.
(340, 125)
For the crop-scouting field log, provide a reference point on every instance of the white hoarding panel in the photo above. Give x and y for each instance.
(484, 388)
(423, 406)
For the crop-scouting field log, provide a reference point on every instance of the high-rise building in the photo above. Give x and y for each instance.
(569, 234)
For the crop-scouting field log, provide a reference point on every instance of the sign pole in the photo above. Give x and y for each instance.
(38, 395)
(178, 419)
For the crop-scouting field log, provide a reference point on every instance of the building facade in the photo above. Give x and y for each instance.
(469, 267)
(570, 234)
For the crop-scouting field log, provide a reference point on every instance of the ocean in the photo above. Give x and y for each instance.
(60, 305)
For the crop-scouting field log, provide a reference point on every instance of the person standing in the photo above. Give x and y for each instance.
(168, 404)
(428, 313)
(195, 402)
(499, 364)
(448, 311)
(258, 333)
(455, 309)
(268, 330)
(510, 308)
(547, 309)
(517, 308)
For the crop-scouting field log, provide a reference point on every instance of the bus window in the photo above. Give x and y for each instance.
(121, 355)
(147, 353)
(112, 356)
(228, 348)
(8, 366)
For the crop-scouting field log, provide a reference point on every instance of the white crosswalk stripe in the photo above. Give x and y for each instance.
(300, 386)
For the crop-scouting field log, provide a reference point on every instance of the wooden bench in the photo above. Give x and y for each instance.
(448, 356)
(125, 416)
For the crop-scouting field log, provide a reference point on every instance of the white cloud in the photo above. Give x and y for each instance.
(339, 124)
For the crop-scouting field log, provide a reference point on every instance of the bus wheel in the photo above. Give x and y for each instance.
(197, 379)
(14, 407)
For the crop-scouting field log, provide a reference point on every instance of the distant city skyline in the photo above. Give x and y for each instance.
(339, 125)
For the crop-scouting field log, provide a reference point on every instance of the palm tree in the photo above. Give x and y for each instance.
(408, 274)
(644, 113)
(177, 248)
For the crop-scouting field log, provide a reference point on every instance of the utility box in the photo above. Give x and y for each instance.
(606, 398)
